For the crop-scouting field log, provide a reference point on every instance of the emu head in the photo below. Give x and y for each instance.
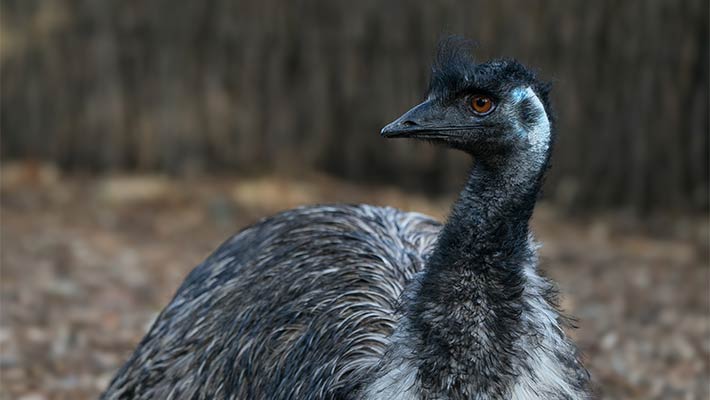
(484, 109)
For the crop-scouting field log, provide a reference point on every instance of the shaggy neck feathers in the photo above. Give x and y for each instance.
(467, 309)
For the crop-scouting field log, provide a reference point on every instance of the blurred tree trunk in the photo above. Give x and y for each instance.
(301, 85)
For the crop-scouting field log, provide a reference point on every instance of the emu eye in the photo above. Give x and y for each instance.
(481, 105)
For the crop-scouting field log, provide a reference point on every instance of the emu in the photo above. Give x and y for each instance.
(364, 302)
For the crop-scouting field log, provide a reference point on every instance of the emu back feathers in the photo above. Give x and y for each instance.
(298, 305)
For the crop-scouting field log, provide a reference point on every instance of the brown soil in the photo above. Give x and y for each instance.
(88, 263)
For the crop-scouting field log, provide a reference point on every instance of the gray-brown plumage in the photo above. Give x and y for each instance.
(299, 305)
(363, 302)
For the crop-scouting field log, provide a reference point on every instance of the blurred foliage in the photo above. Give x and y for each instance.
(270, 85)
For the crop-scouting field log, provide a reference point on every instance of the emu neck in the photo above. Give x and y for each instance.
(492, 213)
(467, 311)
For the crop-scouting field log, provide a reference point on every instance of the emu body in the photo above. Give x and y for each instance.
(363, 302)
(298, 306)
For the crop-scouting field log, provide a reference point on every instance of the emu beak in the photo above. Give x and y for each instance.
(416, 123)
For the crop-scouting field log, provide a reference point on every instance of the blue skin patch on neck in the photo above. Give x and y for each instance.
(519, 94)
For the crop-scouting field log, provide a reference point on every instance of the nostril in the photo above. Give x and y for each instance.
(409, 123)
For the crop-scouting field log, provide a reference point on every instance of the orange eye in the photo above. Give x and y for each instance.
(481, 105)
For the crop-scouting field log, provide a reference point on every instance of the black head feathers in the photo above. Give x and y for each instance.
(453, 67)
(455, 72)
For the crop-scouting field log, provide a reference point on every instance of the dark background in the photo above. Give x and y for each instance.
(217, 85)
(137, 135)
